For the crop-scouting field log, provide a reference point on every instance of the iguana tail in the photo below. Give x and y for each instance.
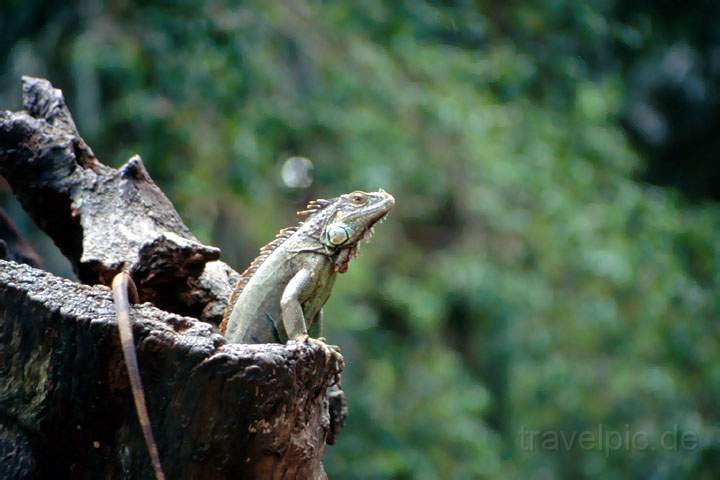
(122, 285)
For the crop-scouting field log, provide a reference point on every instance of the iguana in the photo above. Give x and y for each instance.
(281, 294)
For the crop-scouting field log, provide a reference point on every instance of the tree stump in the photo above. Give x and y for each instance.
(218, 410)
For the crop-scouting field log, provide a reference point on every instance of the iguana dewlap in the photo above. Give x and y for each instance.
(281, 294)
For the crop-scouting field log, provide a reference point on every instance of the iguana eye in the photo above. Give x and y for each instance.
(358, 198)
(337, 234)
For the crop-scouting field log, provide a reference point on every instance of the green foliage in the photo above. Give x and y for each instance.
(526, 280)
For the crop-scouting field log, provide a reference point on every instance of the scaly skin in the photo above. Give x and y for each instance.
(281, 295)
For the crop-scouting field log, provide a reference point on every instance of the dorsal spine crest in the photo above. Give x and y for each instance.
(266, 250)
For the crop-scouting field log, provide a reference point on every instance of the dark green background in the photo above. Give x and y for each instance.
(552, 264)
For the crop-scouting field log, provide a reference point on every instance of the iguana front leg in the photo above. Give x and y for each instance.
(294, 319)
(292, 315)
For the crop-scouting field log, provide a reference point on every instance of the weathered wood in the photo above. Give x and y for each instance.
(104, 219)
(218, 410)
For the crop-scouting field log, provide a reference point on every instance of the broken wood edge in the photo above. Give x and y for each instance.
(105, 219)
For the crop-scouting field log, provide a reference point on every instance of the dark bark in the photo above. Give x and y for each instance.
(104, 219)
(218, 410)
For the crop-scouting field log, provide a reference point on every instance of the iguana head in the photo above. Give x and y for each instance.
(341, 223)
